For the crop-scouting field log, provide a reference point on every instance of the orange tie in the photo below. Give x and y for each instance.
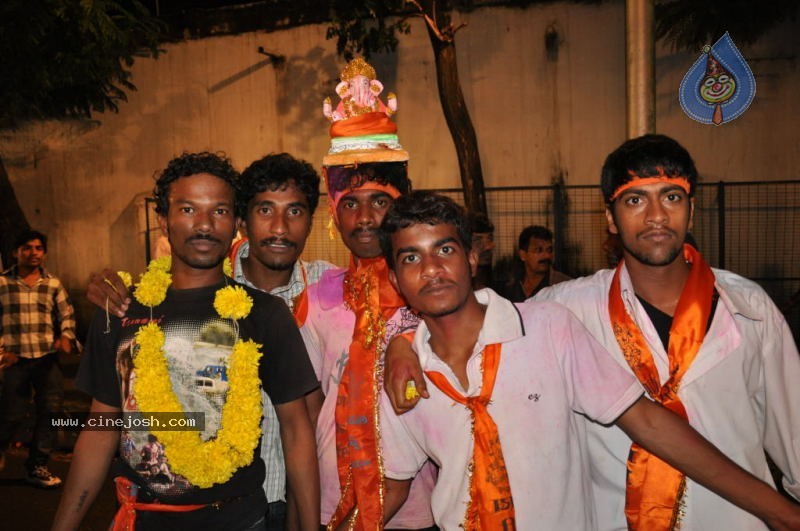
(491, 506)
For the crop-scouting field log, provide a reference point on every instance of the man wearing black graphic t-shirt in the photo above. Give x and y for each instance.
(195, 196)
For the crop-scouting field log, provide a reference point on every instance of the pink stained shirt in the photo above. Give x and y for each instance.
(328, 332)
(551, 373)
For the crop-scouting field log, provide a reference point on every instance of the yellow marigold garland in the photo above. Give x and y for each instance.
(232, 302)
(127, 279)
(161, 264)
(203, 463)
(152, 287)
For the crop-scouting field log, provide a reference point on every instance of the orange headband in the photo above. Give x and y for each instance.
(662, 177)
(333, 200)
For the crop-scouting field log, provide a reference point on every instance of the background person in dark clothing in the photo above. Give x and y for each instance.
(536, 264)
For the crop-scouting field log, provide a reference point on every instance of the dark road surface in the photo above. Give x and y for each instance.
(27, 508)
(24, 507)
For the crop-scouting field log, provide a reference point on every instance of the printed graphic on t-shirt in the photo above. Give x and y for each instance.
(197, 354)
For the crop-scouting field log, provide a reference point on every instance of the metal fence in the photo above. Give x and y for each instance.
(752, 228)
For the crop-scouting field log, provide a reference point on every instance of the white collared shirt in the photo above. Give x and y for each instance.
(742, 393)
(551, 373)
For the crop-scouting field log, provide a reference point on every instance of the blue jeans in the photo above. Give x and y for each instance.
(43, 376)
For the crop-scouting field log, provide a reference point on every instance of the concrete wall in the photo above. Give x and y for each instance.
(537, 116)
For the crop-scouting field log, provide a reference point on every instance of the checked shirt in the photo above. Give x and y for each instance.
(31, 318)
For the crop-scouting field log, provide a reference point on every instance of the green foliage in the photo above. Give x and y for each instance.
(363, 27)
(66, 58)
(689, 24)
(360, 27)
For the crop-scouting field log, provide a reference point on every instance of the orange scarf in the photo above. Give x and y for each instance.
(371, 297)
(371, 123)
(300, 309)
(490, 503)
(655, 489)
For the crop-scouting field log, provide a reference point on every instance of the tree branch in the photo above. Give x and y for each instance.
(430, 21)
(447, 34)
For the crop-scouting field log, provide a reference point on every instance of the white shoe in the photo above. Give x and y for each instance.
(41, 477)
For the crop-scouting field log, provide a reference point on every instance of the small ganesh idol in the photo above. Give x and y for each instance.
(359, 91)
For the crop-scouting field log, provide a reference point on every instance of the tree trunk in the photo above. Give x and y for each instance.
(12, 218)
(455, 110)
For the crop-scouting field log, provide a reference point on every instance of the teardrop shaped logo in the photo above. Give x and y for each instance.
(719, 86)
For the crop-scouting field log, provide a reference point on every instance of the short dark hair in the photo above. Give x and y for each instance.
(216, 164)
(646, 156)
(275, 171)
(354, 176)
(30, 235)
(533, 231)
(480, 222)
(420, 207)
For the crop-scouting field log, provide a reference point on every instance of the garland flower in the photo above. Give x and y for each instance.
(203, 463)
(232, 302)
(126, 277)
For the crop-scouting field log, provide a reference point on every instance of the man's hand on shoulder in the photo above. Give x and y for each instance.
(402, 371)
(106, 288)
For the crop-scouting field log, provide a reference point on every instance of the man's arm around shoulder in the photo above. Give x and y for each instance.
(672, 439)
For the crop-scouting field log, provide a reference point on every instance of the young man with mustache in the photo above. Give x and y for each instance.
(280, 195)
(707, 343)
(511, 389)
(213, 480)
(352, 312)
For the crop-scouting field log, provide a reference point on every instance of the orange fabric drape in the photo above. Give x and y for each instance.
(125, 518)
(654, 488)
(234, 250)
(371, 297)
(371, 123)
(491, 505)
(300, 310)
